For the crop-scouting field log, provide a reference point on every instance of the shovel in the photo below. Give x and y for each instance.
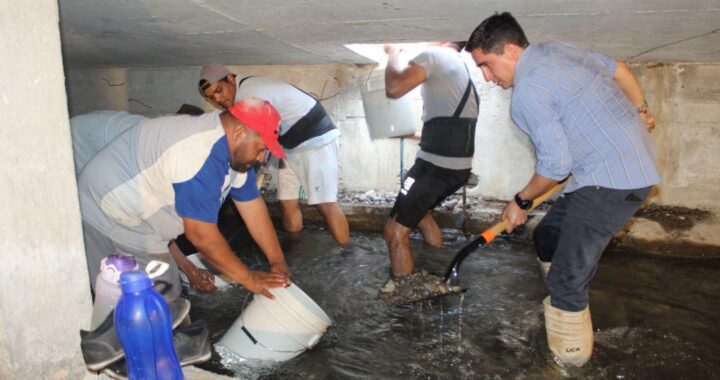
(452, 277)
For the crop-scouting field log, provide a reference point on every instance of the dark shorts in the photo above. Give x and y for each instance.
(423, 188)
(231, 226)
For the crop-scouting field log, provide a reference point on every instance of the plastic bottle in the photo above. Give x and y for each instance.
(107, 285)
(144, 325)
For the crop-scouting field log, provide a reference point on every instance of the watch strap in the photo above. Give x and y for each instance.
(522, 203)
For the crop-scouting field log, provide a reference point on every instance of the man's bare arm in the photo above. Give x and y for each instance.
(627, 82)
(206, 237)
(399, 81)
(257, 218)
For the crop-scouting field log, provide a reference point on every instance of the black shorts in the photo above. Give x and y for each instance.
(423, 188)
(231, 226)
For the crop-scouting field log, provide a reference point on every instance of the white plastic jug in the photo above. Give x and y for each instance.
(107, 283)
(278, 329)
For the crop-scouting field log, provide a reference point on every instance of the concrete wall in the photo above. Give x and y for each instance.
(44, 292)
(684, 97)
(91, 90)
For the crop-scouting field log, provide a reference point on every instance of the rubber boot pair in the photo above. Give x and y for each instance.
(101, 347)
(569, 334)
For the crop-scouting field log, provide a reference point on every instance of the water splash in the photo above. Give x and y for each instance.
(652, 318)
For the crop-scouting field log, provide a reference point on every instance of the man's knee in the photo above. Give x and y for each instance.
(291, 216)
(292, 225)
(387, 230)
(546, 241)
(330, 210)
(431, 231)
(395, 232)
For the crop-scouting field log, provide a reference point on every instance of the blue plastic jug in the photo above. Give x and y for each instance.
(144, 326)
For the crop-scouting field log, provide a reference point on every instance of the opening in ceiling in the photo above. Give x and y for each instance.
(376, 52)
(387, 117)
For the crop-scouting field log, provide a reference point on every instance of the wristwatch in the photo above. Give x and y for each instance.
(522, 203)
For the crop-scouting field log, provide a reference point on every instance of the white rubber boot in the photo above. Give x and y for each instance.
(569, 334)
(544, 267)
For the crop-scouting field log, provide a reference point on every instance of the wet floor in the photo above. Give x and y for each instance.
(653, 318)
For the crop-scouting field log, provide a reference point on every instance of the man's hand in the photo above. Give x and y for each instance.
(262, 282)
(514, 216)
(646, 116)
(201, 280)
(390, 48)
(280, 268)
(648, 119)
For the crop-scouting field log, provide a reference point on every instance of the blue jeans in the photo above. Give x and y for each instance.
(574, 234)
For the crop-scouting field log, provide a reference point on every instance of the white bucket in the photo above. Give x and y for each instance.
(220, 280)
(278, 329)
(387, 117)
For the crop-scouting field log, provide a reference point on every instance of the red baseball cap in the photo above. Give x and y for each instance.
(260, 116)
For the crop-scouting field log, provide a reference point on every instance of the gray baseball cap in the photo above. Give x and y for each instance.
(211, 73)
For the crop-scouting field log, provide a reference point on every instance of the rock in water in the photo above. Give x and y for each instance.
(415, 287)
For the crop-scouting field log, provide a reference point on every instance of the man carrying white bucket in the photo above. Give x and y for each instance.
(169, 175)
(447, 144)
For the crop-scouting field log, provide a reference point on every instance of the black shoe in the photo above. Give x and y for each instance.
(102, 347)
(192, 345)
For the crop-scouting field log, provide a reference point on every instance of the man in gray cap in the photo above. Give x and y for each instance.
(308, 136)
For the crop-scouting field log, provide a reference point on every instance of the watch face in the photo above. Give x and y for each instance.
(522, 203)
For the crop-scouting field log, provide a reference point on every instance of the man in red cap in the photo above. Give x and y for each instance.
(308, 136)
(169, 175)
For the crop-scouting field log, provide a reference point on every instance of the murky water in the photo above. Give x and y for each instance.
(653, 318)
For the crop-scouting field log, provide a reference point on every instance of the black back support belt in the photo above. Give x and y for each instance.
(452, 136)
(315, 123)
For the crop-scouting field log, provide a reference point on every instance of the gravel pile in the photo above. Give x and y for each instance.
(415, 287)
(452, 203)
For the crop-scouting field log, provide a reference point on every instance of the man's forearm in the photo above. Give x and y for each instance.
(182, 262)
(392, 74)
(627, 82)
(537, 186)
(209, 241)
(257, 218)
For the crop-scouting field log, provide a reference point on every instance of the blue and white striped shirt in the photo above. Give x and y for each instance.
(579, 120)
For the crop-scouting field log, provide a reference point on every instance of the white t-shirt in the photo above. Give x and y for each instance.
(446, 80)
(290, 102)
(445, 84)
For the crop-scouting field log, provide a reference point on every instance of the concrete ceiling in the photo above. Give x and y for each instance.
(132, 33)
